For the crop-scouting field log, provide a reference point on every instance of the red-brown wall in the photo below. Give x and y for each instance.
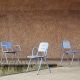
(29, 22)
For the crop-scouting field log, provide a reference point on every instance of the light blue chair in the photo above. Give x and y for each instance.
(67, 49)
(40, 55)
(8, 48)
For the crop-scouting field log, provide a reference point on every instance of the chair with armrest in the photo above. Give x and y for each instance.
(40, 55)
(67, 50)
(8, 48)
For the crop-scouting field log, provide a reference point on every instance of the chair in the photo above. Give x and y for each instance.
(66, 46)
(40, 55)
(8, 48)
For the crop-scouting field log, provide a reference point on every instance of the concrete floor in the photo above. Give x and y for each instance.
(58, 73)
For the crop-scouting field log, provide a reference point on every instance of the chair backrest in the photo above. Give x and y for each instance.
(43, 47)
(66, 44)
(6, 46)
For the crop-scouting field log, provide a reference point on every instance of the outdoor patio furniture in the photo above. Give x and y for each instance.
(67, 50)
(10, 49)
(40, 55)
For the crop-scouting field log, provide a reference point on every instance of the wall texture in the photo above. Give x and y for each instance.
(28, 22)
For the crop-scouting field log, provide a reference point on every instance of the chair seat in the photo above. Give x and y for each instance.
(10, 52)
(72, 51)
(34, 56)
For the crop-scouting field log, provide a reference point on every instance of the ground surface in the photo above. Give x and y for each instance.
(58, 73)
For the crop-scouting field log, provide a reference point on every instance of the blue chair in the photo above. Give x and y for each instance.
(67, 49)
(40, 55)
(8, 48)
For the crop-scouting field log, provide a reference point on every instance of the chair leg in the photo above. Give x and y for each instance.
(79, 60)
(48, 65)
(39, 66)
(1, 61)
(15, 58)
(72, 58)
(18, 60)
(6, 58)
(12, 58)
(62, 59)
(29, 64)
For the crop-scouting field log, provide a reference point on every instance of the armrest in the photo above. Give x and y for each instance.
(4, 48)
(17, 48)
(34, 49)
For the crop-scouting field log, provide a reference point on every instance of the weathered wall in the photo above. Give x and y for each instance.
(28, 22)
(39, 4)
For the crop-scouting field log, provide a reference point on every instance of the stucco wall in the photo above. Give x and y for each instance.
(28, 23)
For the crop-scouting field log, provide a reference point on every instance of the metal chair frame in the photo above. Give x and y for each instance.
(7, 49)
(43, 47)
(66, 48)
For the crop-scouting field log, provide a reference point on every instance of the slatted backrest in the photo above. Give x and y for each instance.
(6, 46)
(43, 47)
(66, 44)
